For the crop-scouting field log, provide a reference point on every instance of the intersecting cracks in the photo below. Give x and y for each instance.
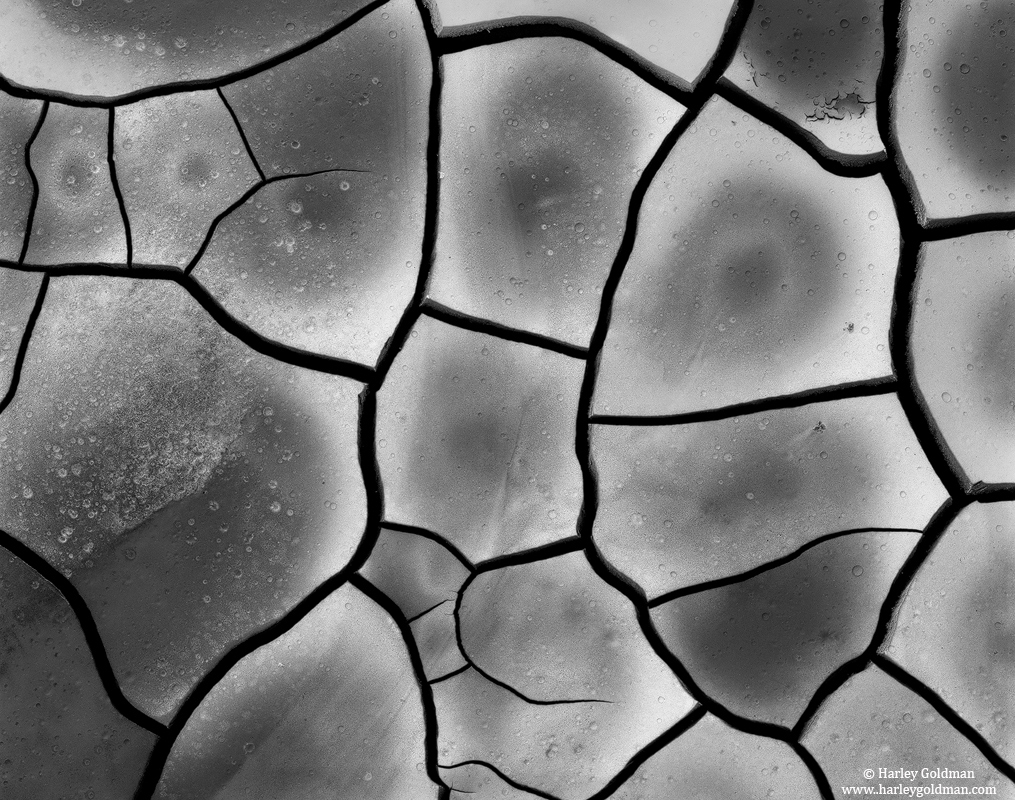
(874, 654)
(506, 778)
(370, 471)
(843, 165)
(426, 692)
(499, 564)
(329, 365)
(248, 194)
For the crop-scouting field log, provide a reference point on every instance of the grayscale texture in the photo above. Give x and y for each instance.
(506, 399)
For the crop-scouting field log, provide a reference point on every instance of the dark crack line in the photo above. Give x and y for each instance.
(197, 84)
(496, 681)
(445, 792)
(817, 773)
(433, 537)
(543, 552)
(950, 715)
(667, 737)
(421, 614)
(117, 192)
(290, 619)
(449, 675)
(721, 59)
(26, 337)
(935, 529)
(590, 489)
(425, 691)
(909, 211)
(521, 787)
(243, 135)
(86, 623)
(841, 164)
(740, 577)
(825, 394)
(33, 204)
(935, 230)
(586, 522)
(460, 38)
(896, 173)
(286, 354)
(430, 216)
(477, 325)
(914, 404)
(992, 492)
(246, 197)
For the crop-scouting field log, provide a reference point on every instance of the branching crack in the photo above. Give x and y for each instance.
(507, 779)
(488, 676)
(740, 577)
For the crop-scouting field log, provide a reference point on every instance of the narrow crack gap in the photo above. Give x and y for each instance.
(951, 716)
(430, 216)
(543, 552)
(935, 529)
(483, 34)
(425, 690)
(433, 537)
(450, 316)
(117, 192)
(243, 135)
(840, 164)
(502, 684)
(445, 792)
(421, 614)
(449, 675)
(87, 626)
(33, 204)
(740, 577)
(244, 198)
(375, 500)
(521, 787)
(667, 737)
(845, 391)
(19, 359)
(197, 84)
